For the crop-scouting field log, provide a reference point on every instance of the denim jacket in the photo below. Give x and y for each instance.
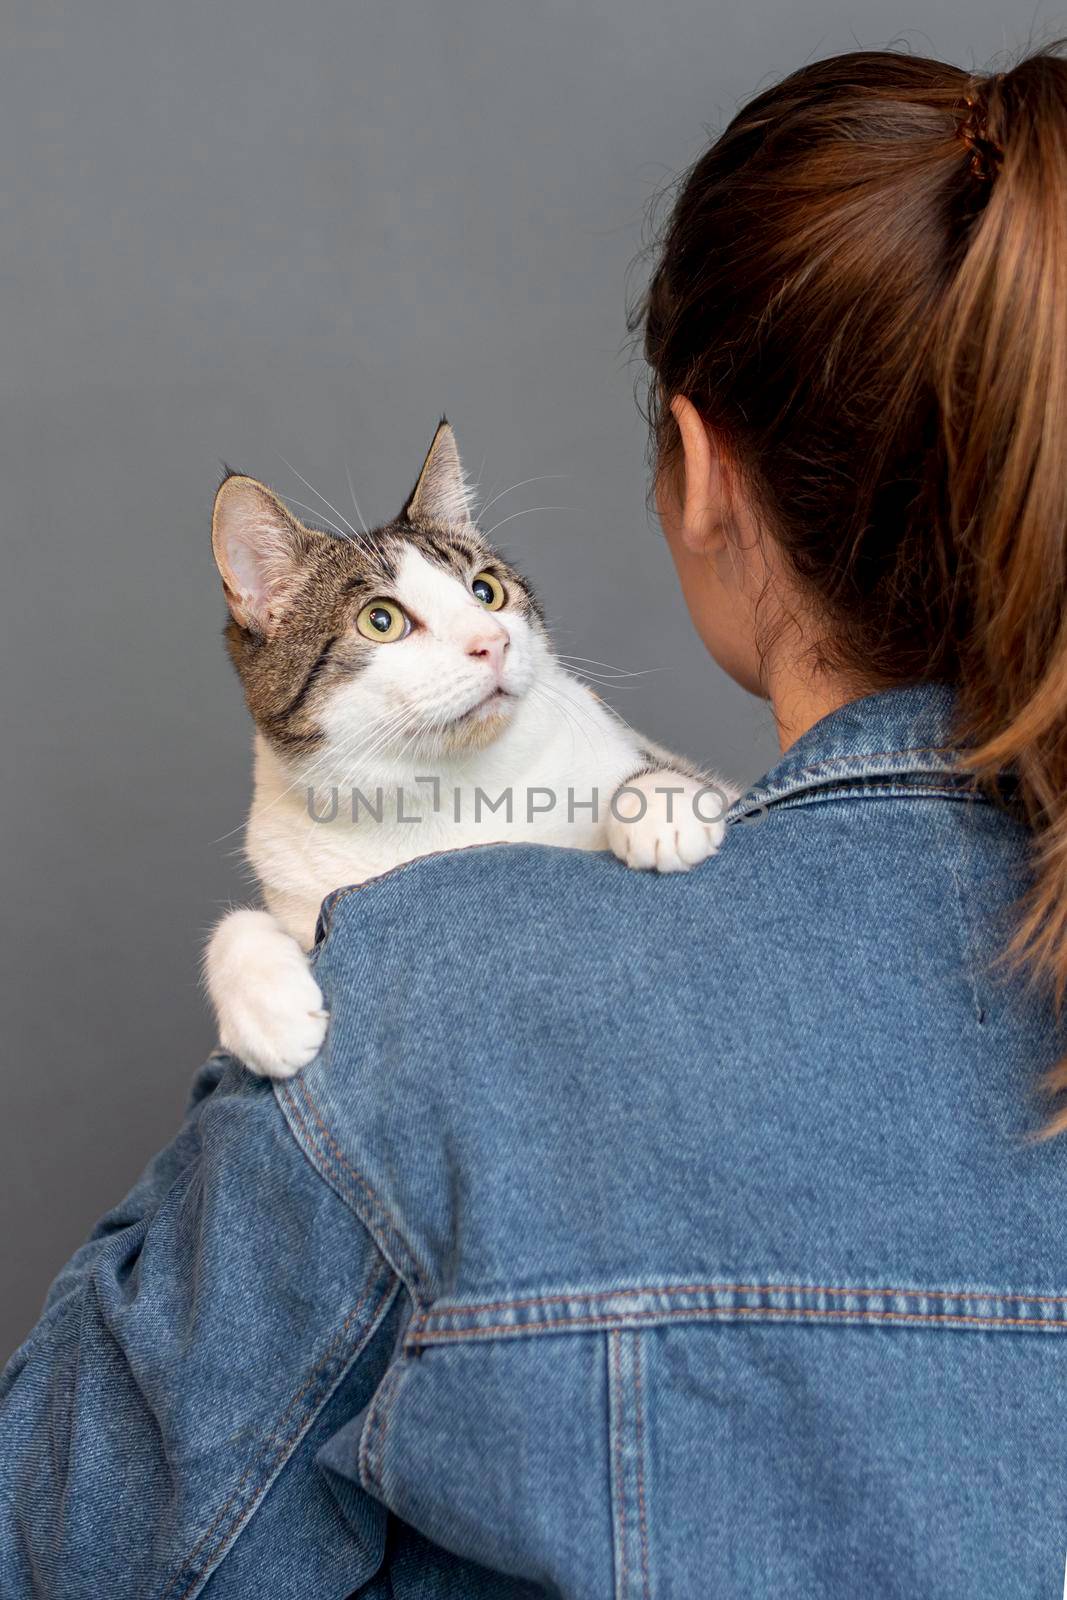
(633, 1238)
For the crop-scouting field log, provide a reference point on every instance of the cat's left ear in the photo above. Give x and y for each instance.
(260, 550)
(441, 493)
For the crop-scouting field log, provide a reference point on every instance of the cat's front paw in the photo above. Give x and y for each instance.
(269, 1007)
(666, 822)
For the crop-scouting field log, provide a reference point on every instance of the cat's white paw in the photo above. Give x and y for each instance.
(682, 822)
(268, 1005)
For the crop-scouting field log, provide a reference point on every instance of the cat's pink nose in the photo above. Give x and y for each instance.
(490, 645)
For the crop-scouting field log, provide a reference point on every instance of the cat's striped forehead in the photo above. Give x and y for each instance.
(374, 563)
(379, 555)
(314, 643)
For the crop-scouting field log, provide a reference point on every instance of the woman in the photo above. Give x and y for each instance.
(669, 1237)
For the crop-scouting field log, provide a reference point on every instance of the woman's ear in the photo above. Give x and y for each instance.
(260, 551)
(701, 493)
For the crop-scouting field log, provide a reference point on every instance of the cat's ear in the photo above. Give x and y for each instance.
(441, 493)
(260, 550)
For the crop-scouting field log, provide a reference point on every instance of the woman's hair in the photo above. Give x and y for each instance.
(862, 287)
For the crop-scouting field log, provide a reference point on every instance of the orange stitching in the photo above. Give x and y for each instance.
(282, 1420)
(738, 1288)
(281, 1451)
(383, 1423)
(640, 1446)
(616, 1352)
(770, 1312)
(333, 1161)
(381, 1405)
(339, 1159)
(878, 755)
(855, 766)
(402, 1372)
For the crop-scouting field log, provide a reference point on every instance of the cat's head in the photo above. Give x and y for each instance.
(414, 637)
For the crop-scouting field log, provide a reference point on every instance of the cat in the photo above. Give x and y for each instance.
(407, 699)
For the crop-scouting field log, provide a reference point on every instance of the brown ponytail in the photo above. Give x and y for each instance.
(1001, 363)
(863, 288)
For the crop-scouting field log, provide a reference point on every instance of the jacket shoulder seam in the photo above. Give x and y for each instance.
(312, 1133)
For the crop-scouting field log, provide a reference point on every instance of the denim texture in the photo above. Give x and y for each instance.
(631, 1237)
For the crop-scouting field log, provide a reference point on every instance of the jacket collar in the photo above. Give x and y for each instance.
(899, 734)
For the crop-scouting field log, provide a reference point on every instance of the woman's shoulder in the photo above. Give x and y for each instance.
(507, 888)
(547, 916)
(517, 916)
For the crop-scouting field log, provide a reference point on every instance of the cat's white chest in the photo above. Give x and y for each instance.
(549, 780)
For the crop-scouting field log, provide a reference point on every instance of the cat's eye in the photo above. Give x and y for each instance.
(489, 590)
(383, 622)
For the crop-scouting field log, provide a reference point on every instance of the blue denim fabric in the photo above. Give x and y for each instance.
(631, 1237)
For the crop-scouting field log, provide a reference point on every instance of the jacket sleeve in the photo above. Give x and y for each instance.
(227, 1318)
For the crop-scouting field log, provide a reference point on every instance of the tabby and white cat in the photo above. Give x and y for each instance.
(407, 699)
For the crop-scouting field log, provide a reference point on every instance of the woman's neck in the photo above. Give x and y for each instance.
(799, 699)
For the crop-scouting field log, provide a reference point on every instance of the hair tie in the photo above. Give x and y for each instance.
(987, 153)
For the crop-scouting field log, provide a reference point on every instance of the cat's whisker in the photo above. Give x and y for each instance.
(573, 717)
(356, 750)
(580, 709)
(578, 718)
(340, 515)
(542, 477)
(528, 512)
(414, 735)
(348, 783)
(434, 737)
(495, 479)
(540, 690)
(575, 713)
(379, 732)
(396, 731)
(407, 726)
(603, 681)
(618, 672)
(318, 515)
(355, 502)
(366, 743)
(229, 835)
(376, 735)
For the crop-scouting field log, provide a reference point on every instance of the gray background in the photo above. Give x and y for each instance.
(257, 229)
